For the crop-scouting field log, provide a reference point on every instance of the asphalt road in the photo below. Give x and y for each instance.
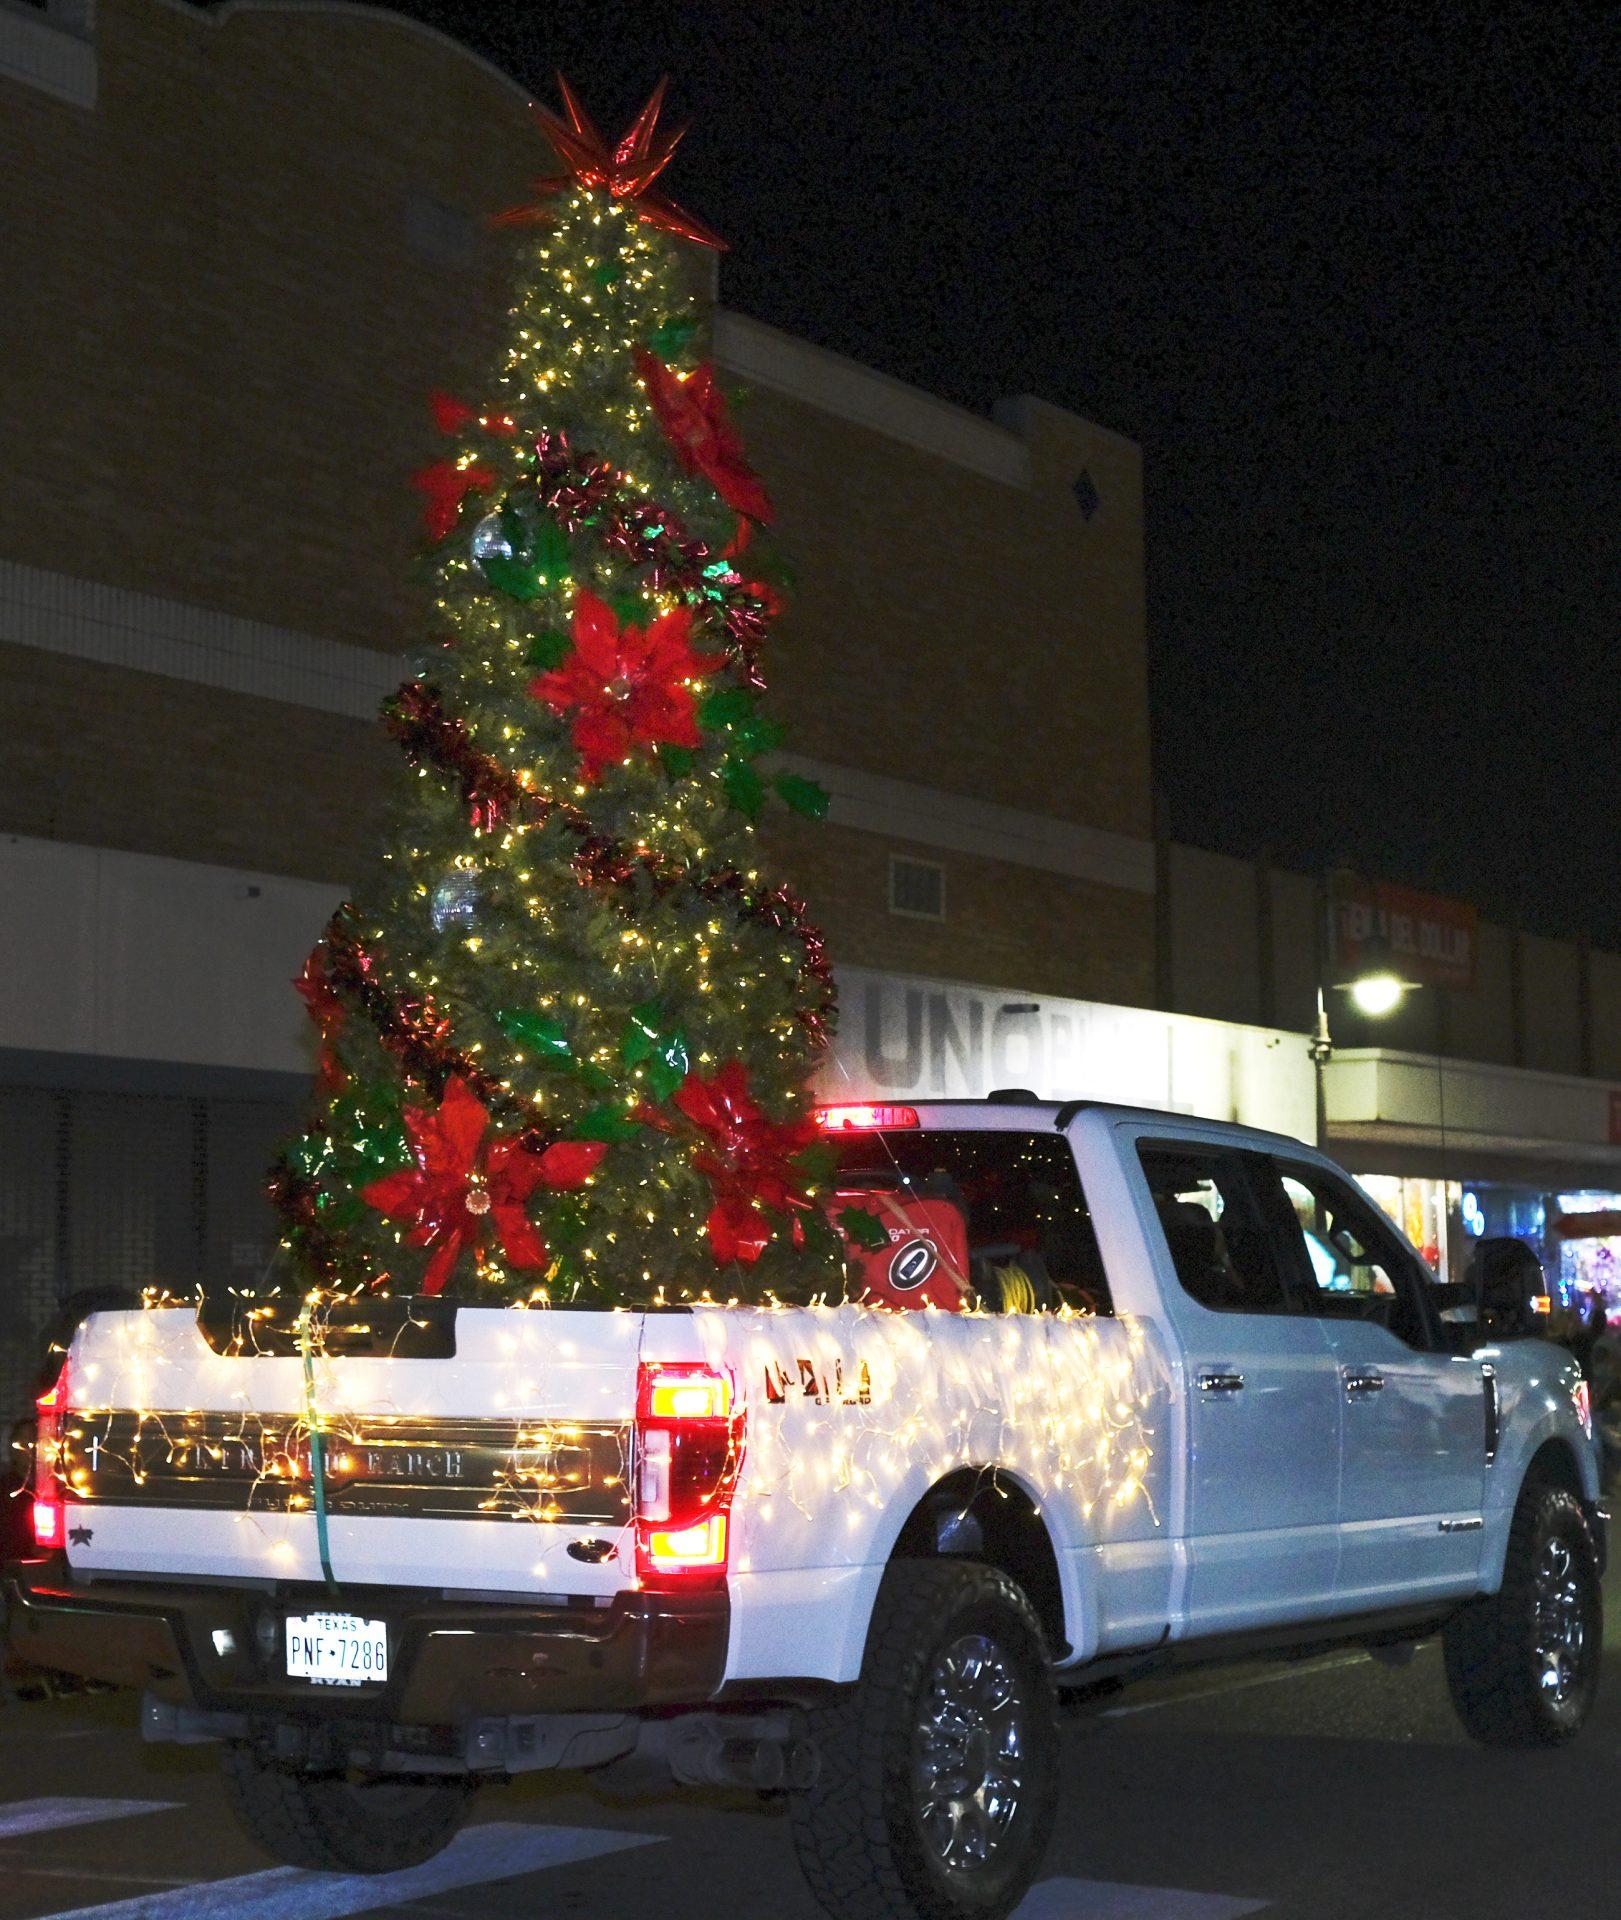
(1341, 1790)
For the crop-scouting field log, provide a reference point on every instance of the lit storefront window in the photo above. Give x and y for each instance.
(1588, 1235)
(1422, 1209)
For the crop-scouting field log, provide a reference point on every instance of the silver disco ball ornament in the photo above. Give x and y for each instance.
(455, 901)
(490, 541)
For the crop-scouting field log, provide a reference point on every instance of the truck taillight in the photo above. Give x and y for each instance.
(49, 1516)
(689, 1448)
(865, 1119)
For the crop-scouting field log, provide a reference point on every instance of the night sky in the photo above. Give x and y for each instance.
(1351, 285)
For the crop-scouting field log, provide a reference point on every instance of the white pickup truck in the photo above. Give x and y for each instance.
(1198, 1398)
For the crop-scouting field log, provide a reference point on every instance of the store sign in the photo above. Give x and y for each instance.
(901, 1038)
(1430, 940)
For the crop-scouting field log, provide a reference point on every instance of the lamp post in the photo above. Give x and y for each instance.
(1376, 989)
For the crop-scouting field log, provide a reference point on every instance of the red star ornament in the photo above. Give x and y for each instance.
(748, 1160)
(462, 1192)
(627, 687)
(626, 171)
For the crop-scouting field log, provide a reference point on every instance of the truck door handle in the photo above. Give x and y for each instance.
(1221, 1383)
(1366, 1381)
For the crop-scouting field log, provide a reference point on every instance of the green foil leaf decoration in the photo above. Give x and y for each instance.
(677, 762)
(381, 1152)
(744, 787)
(536, 1033)
(551, 554)
(863, 1229)
(808, 797)
(516, 578)
(514, 529)
(725, 707)
(612, 1124)
(670, 336)
(548, 650)
(565, 1220)
(308, 1154)
(757, 734)
(659, 1049)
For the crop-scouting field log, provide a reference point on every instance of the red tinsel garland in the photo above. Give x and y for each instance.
(578, 487)
(421, 725)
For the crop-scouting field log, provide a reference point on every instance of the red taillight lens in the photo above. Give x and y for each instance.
(48, 1518)
(864, 1119)
(689, 1447)
(48, 1512)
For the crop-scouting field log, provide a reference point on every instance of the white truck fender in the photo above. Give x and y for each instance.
(1071, 1555)
(1536, 1398)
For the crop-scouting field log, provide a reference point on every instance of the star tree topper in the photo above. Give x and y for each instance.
(627, 170)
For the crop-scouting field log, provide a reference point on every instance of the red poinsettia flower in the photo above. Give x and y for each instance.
(326, 1009)
(626, 686)
(444, 486)
(748, 1158)
(461, 1190)
(692, 412)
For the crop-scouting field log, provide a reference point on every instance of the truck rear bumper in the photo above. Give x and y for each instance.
(450, 1661)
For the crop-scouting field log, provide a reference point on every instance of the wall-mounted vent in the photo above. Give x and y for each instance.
(917, 888)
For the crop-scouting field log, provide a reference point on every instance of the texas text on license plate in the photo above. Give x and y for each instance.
(336, 1649)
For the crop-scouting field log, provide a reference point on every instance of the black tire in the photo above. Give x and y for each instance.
(955, 1688)
(1522, 1664)
(334, 1825)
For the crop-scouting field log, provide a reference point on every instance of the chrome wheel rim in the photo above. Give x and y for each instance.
(969, 1779)
(1559, 1635)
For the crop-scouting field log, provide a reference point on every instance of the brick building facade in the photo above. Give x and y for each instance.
(247, 243)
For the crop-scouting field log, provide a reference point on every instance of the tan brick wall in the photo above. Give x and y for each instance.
(1005, 926)
(958, 632)
(225, 347)
(152, 765)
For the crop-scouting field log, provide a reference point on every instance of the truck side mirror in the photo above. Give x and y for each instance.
(1511, 1295)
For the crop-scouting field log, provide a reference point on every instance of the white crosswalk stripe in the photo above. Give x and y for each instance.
(1114, 1900)
(46, 1815)
(499, 1850)
(502, 1850)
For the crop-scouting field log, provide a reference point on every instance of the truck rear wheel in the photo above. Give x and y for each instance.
(335, 1825)
(937, 1782)
(1522, 1664)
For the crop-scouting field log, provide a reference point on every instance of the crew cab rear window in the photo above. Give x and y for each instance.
(1012, 1201)
(1215, 1233)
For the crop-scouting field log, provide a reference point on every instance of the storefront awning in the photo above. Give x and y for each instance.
(1462, 1119)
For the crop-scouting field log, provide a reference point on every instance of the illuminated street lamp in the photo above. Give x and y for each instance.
(1377, 994)
(1376, 990)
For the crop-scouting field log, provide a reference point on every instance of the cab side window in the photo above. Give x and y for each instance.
(1353, 1265)
(1214, 1230)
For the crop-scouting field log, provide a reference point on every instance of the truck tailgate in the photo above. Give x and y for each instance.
(472, 1473)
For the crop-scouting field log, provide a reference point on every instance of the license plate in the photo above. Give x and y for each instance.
(336, 1649)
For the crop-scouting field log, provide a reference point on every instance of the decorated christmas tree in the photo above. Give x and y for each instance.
(566, 1025)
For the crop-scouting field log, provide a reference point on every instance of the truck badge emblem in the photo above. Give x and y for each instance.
(912, 1265)
(80, 1536)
